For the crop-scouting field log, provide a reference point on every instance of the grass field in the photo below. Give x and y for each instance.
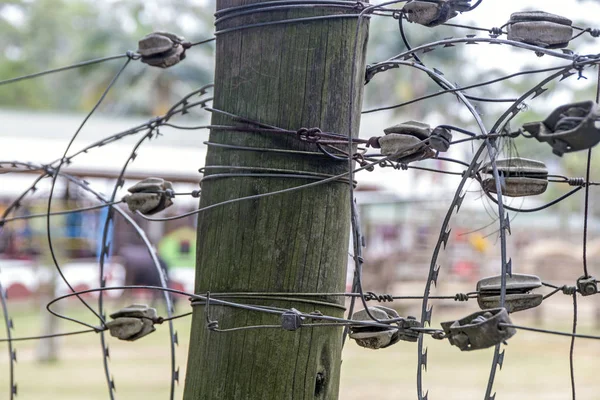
(536, 367)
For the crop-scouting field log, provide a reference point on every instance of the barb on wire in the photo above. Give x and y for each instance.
(418, 60)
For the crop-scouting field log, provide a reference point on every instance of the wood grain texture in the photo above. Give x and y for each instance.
(291, 76)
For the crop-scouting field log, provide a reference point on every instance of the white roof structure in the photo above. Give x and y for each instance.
(42, 137)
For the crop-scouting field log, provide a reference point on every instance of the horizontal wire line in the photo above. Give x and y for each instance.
(66, 68)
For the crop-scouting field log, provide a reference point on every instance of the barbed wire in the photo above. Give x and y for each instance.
(341, 147)
(214, 299)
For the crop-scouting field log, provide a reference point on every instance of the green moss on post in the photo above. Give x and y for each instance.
(292, 76)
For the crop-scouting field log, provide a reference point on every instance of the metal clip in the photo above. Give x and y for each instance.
(133, 322)
(540, 29)
(571, 127)
(406, 333)
(291, 320)
(162, 49)
(405, 142)
(440, 139)
(150, 196)
(520, 177)
(479, 330)
(518, 296)
(587, 286)
(375, 337)
(430, 13)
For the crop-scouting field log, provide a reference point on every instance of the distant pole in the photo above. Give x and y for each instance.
(48, 351)
(291, 76)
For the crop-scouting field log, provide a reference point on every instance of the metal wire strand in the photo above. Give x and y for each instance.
(55, 177)
(212, 39)
(477, 85)
(261, 195)
(65, 212)
(66, 68)
(416, 57)
(587, 191)
(572, 349)
(54, 335)
(159, 321)
(550, 332)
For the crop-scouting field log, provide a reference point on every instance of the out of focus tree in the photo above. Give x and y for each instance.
(36, 35)
(43, 34)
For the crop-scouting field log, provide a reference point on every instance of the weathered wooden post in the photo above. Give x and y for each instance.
(289, 75)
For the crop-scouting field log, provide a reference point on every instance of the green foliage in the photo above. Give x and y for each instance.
(403, 84)
(45, 34)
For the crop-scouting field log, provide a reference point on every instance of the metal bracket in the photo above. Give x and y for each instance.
(569, 128)
(479, 330)
(518, 296)
(162, 49)
(150, 196)
(291, 320)
(587, 286)
(520, 177)
(133, 322)
(540, 29)
(430, 13)
(440, 139)
(404, 142)
(376, 337)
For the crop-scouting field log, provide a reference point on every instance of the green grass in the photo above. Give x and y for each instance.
(536, 366)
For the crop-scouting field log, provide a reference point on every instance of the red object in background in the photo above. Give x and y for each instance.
(176, 286)
(465, 269)
(81, 288)
(17, 291)
(459, 235)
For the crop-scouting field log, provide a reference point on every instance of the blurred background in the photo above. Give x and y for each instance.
(401, 211)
